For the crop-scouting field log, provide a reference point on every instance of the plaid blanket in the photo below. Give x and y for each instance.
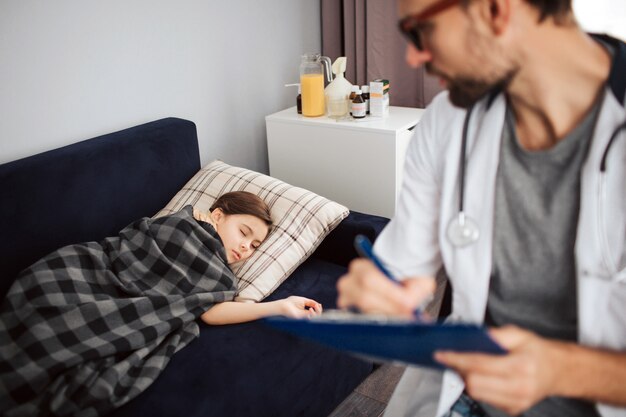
(90, 326)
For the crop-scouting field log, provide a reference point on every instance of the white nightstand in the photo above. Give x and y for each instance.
(356, 163)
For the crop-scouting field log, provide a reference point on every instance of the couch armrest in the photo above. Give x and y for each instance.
(338, 247)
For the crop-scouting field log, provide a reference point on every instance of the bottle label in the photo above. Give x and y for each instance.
(359, 109)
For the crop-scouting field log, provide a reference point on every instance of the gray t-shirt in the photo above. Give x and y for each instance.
(533, 282)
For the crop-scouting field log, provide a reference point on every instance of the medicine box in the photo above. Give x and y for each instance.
(379, 97)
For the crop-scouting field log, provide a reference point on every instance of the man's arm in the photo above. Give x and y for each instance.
(536, 368)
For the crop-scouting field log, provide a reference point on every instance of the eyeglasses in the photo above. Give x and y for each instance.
(409, 26)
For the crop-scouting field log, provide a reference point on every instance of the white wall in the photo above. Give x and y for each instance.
(602, 16)
(74, 69)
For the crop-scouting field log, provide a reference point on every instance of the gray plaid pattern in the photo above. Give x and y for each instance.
(90, 326)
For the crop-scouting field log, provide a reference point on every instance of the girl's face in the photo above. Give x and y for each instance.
(241, 234)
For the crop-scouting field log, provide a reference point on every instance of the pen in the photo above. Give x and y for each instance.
(364, 248)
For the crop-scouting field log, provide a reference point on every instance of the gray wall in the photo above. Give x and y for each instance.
(74, 69)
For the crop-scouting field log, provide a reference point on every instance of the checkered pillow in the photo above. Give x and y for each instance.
(301, 218)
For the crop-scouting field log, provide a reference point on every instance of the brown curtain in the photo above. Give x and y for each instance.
(365, 31)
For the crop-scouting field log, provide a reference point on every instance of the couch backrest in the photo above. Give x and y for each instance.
(90, 190)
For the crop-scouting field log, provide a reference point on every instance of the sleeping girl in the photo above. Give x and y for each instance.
(242, 221)
(90, 326)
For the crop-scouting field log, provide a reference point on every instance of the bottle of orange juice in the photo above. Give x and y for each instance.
(312, 84)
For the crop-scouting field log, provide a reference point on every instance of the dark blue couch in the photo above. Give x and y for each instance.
(92, 189)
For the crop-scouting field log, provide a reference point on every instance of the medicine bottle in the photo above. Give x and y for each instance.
(365, 93)
(299, 100)
(353, 91)
(352, 95)
(358, 106)
(298, 97)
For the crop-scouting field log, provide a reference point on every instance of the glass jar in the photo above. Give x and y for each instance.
(312, 83)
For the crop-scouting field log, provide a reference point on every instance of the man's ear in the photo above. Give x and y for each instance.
(497, 13)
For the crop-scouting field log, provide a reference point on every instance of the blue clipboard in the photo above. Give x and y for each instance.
(404, 341)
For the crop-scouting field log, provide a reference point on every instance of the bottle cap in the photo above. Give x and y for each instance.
(358, 90)
(365, 88)
(354, 88)
(339, 66)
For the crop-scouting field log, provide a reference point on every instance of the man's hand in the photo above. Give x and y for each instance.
(368, 289)
(513, 382)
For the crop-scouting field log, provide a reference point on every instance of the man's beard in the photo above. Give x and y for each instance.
(464, 92)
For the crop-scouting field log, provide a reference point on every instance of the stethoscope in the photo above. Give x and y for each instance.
(463, 230)
(609, 262)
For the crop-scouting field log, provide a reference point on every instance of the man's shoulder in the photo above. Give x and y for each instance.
(441, 118)
(442, 108)
(442, 101)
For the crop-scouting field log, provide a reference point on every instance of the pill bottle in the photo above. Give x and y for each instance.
(365, 93)
(358, 107)
(352, 95)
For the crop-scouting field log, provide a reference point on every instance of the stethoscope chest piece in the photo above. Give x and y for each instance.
(462, 230)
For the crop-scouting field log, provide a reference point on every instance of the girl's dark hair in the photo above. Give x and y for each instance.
(243, 202)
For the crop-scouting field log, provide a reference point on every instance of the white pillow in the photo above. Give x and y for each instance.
(302, 219)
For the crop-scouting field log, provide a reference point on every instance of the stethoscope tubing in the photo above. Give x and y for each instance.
(462, 217)
(609, 262)
(463, 160)
(608, 146)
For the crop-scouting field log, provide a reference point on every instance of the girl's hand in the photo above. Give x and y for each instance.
(299, 307)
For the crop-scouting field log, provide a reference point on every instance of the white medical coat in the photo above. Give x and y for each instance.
(414, 242)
